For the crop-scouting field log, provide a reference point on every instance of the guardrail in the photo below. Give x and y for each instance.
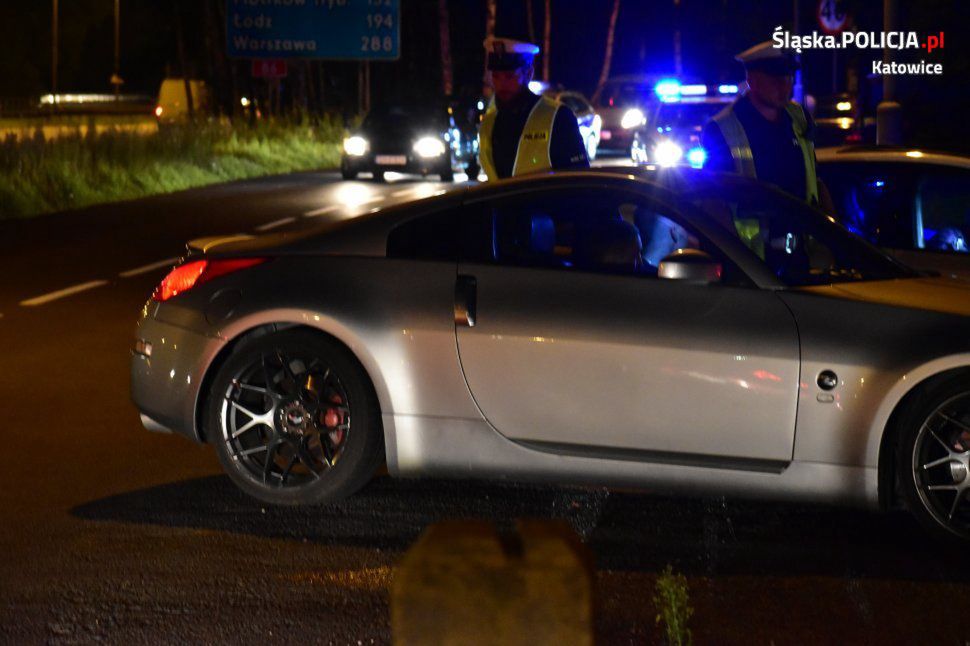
(75, 104)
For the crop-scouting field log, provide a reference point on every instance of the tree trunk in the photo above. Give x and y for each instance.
(490, 13)
(444, 35)
(547, 42)
(608, 55)
(183, 63)
(530, 20)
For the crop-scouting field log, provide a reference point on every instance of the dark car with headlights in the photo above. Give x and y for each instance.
(406, 139)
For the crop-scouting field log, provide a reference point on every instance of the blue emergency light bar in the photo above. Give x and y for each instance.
(672, 90)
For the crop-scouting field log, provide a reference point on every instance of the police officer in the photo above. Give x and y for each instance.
(763, 134)
(522, 132)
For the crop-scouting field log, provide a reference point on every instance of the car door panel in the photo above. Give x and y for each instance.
(629, 362)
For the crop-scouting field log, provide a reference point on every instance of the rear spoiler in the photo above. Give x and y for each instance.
(201, 246)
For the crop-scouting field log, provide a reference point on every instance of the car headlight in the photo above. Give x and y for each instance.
(632, 118)
(429, 147)
(355, 146)
(667, 153)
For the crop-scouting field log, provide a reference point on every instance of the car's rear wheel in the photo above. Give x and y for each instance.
(294, 420)
(933, 462)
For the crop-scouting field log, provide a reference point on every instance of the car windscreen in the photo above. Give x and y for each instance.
(686, 115)
(621, 95)
(404, 118)
(799, 244)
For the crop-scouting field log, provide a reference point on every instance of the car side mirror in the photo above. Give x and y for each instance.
(690, 265)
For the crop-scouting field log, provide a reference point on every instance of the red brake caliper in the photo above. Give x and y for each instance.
(334, 418)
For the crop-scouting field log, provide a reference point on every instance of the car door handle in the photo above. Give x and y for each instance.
(466, 292)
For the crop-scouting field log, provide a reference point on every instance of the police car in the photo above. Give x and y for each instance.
(671, 132)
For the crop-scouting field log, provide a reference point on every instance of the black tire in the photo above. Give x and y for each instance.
(379, 176)
(348, 174)
(931, 456)
(341, 392)
(448, 176)
(473, 170)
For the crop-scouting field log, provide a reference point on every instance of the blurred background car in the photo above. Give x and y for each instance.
(623, 105)
(671, 134)
(836, 120)
(590, 123)
(407, 138)
(913, 203)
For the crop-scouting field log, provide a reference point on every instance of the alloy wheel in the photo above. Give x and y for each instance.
(285, 420)
(941, 464)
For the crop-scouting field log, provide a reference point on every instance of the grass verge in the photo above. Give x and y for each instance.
(42, 176)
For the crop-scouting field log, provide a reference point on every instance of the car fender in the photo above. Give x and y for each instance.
(904, 385)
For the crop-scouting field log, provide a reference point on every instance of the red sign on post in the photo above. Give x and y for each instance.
(269, 68)
(832, 17)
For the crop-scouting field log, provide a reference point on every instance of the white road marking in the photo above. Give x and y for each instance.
(275, 223)
(161, 264)
(402, 193)
(61, 293)
(314, 213)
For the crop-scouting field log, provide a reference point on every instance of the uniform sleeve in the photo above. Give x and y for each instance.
(718, 153)
(567, 149)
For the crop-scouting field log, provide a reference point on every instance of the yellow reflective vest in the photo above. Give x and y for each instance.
(740, 148)
(532, 154)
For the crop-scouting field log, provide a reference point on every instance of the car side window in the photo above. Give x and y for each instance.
(588, 230)
(943, 210)
(443, 235)
(874, 201)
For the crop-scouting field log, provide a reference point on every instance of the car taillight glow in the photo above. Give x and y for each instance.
(185, 277)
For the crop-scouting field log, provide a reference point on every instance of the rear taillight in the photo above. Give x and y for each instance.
(185, 277)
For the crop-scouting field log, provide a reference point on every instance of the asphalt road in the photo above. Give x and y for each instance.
(109, 533)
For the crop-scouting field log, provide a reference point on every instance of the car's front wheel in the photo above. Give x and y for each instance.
(933, 463)
(294, 420)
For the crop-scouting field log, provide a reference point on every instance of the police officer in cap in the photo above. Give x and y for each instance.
(522, 132)
(763, 134)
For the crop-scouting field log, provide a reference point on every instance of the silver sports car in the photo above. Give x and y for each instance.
(678, 330)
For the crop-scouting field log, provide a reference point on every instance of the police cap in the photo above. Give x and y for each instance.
(765, 57)
(505, 54)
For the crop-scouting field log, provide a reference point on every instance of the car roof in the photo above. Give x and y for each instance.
(898, 154)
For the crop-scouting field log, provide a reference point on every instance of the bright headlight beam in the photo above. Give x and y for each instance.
(667, 153)
(355, 146)
(632, 118)
(429, 147)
